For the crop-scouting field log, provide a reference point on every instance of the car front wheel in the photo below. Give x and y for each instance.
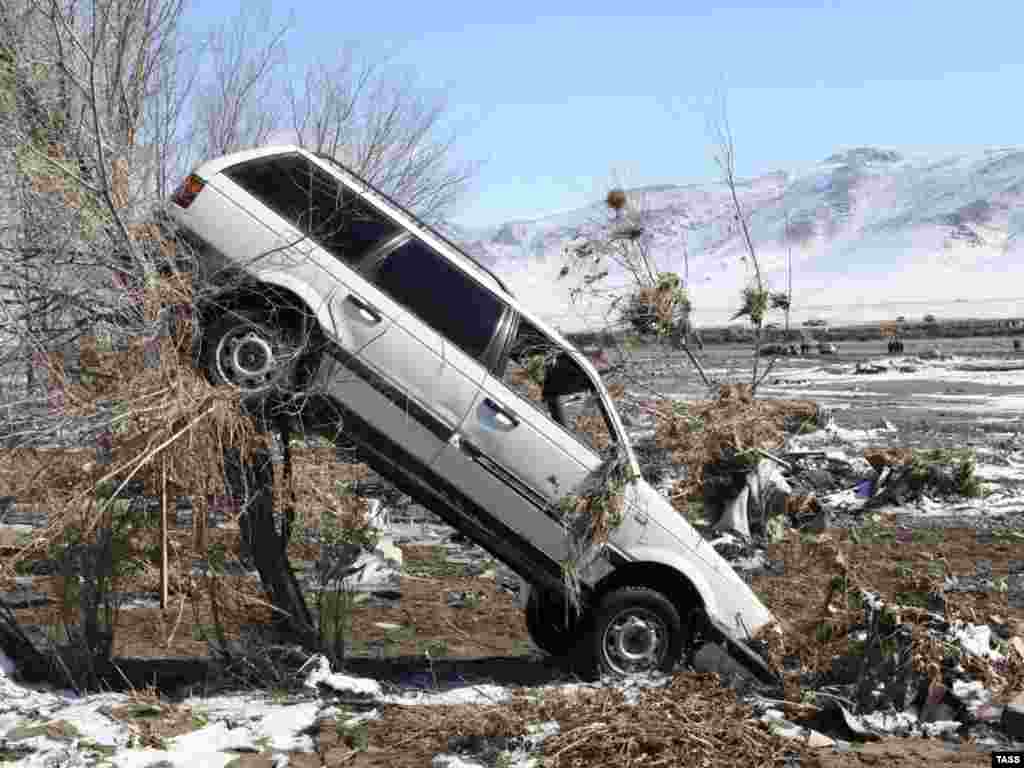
(635, 631)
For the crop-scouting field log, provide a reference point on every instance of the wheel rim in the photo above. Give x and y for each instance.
(249, 358)
(635, 641)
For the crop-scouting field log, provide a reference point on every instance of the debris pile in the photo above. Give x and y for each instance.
(727, 435)
(592, 725)
(858, 663)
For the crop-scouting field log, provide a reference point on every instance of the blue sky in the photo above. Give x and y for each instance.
(555, 106)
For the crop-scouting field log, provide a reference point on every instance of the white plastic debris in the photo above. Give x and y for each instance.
(724, 538)
(378, 514)
(976, 639)
(974, 690)
(322, 675)
(454, 761)
(940, 727)
(899, 723)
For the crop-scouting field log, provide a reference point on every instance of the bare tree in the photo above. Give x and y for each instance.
(100, 102)
(237, 107)
(77, 77)
(80, 75)
(166, 130)
(756, 296)
(384, 127)
(655, 303)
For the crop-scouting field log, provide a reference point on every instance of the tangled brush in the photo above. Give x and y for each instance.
(723, 432)
(148, 412)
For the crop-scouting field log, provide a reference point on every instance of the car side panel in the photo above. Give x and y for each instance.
(324, 416)
(235, 223)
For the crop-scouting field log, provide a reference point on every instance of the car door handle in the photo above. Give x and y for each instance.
(465, 446)
(367, 310)
(505, 417)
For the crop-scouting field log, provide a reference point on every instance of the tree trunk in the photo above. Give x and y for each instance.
(254, 484)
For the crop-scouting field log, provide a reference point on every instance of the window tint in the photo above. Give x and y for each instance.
(441, 295)
(315, 202)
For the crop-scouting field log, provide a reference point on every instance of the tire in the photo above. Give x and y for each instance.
(635, 631)
(545, 621)
(246, 349)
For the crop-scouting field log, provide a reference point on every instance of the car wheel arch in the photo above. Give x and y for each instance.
(687, 591)
(263, 296)
(260, 297)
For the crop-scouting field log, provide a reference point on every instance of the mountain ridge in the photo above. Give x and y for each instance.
(864, 226)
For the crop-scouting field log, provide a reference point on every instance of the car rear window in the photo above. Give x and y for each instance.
(319, 205)
(442, 295)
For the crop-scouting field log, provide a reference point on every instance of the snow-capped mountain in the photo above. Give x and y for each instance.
(872, 234)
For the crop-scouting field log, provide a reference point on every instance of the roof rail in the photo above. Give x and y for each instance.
(416, 219)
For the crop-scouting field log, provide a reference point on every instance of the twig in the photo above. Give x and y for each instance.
(181, 612)
(471, 638)
(140, 463)
(772, 457)
(586, 730)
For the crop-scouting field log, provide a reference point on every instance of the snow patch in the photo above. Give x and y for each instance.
(473, 694)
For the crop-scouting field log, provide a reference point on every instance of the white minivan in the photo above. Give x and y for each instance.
(455, 392)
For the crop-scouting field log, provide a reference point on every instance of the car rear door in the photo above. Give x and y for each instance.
(385, 369)
(315, 236)
(426, 364)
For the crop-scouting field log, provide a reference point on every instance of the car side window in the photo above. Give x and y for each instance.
(441, 294)
(319, 205)
(540, 372)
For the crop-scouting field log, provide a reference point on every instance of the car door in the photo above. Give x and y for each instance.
(512, 458)
(388, 370)
(314, 232)
(443, 321)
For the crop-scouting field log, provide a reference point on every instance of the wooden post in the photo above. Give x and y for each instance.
(163, 535)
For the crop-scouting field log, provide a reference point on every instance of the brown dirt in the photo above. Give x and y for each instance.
(905, 753)
(493, 626)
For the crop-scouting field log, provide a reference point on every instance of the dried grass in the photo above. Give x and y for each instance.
(709, 433)
(166, 415)
(665, 727)
(826, 574)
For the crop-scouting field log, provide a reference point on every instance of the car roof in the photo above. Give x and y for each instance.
(217, 165)
(408, 219)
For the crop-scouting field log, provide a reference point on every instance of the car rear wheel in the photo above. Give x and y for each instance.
(635, 631)
(546, 623)
(249, 350)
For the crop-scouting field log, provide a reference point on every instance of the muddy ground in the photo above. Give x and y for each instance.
(936, 402)
(451, 619)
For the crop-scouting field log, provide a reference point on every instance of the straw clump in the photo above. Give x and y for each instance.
(146, 410)
(705, 435)
(663, 726)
